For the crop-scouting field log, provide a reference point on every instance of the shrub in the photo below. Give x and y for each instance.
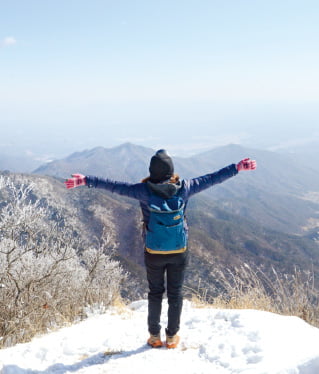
(245, 288)
(48, 274)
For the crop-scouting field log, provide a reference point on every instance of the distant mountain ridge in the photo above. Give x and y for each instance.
(217, 237)
(126, 161)
(274, 195)
(252, 218)
(132, 161)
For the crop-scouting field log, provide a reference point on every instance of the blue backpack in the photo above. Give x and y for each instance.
(165, 232)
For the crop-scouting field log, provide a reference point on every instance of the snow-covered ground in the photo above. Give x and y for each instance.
(212, 341)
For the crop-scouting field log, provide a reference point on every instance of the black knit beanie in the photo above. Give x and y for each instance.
(161, 167)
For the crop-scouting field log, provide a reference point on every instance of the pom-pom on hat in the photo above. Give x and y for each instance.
(161, 167)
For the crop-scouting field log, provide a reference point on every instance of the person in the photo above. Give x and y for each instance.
(163, 182)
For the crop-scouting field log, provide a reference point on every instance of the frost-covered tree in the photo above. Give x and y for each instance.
(48, 274)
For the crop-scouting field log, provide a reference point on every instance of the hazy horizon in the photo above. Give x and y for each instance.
(184, 75)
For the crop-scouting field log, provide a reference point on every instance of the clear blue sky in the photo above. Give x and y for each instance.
(181, 74)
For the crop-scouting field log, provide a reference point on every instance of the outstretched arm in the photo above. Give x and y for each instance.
(136, 191)
(199, 184)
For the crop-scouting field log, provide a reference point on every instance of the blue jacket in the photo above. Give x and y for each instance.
(186, 188)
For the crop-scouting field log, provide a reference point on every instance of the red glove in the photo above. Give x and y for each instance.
(246, 164)
(76, 181)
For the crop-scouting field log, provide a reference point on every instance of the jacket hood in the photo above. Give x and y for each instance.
(165, 190)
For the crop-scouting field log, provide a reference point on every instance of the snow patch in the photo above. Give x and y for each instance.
(212, 341)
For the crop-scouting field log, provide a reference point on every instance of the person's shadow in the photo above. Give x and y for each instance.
(58, 368)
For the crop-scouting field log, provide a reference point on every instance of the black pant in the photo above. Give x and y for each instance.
(156, 265)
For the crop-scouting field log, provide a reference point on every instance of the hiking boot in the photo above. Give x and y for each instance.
(155, 341)
(172, 341)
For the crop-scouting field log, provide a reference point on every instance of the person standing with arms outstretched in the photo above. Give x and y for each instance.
(163, 198)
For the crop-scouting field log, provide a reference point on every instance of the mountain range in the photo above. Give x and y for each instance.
(281, 194)
(267, 218)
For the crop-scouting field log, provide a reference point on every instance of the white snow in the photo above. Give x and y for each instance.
(215, 341)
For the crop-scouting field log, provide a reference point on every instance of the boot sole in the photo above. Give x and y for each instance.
(155, 345)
